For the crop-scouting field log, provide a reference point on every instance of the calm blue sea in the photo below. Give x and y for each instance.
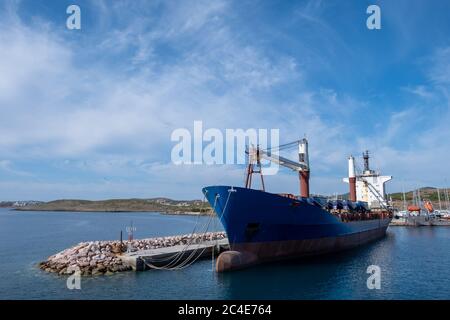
(414, 262)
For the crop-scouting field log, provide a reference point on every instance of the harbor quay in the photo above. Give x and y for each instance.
(107, 257)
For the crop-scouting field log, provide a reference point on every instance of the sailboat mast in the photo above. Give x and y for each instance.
(404, 197)
(439, 199)
(446, 198)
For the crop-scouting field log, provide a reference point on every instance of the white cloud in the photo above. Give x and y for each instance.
(420, 91)
(440, 71)
(8, 167)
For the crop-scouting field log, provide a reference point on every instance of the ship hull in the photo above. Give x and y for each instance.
(263, 227)
(247, 254)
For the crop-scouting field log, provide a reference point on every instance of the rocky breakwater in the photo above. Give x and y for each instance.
(103, 257)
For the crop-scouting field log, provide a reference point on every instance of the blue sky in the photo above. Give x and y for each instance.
(88, 113)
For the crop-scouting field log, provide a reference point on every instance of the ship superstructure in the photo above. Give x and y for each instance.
(370, 185)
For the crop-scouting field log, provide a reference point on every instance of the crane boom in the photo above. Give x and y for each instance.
(294, 165)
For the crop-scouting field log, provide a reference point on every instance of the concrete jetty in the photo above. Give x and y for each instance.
(173, 256)
(108, 257)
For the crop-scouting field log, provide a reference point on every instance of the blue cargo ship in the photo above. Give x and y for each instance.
(263, 226)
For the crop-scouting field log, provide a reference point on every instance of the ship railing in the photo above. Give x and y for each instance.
(356, 216)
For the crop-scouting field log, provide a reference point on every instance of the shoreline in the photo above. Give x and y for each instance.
(180, 213)
(160, 205)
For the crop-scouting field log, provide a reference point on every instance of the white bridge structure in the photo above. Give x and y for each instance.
(370, 185)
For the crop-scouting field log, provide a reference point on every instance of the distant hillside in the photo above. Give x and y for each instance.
(6, 204)
(427, 193)
(163, 205)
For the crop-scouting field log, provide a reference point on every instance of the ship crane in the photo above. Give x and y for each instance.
(295, 166)
(301, 166)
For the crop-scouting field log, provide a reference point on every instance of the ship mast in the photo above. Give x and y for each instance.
(303, 158)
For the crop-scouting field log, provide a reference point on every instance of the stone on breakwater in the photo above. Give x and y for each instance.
(101, 257)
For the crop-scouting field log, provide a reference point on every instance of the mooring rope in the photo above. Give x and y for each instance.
(177, 256)
(173, 265)
(192, 254)
(190, 263)
(191, 238)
